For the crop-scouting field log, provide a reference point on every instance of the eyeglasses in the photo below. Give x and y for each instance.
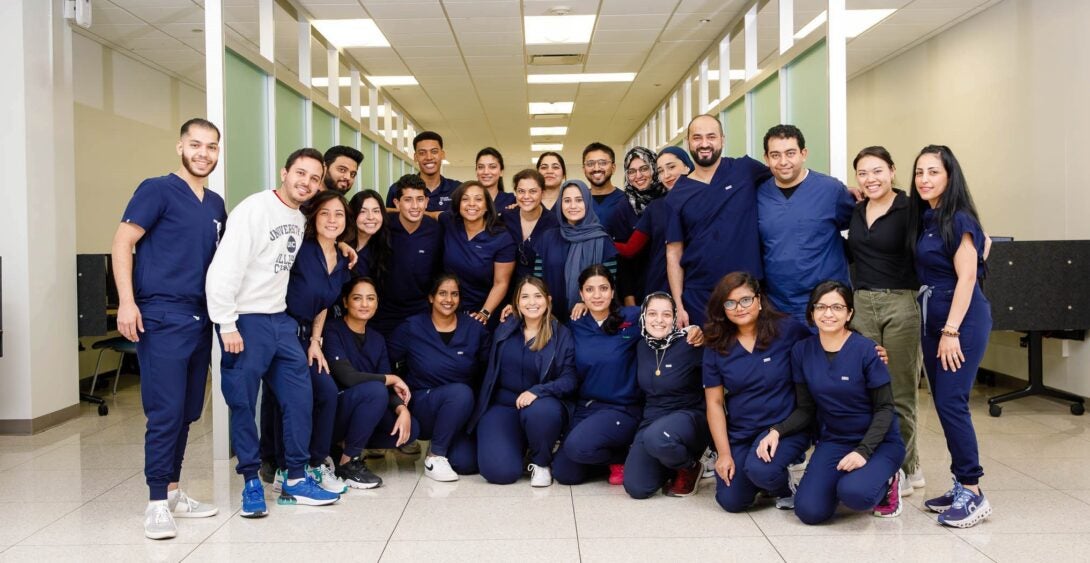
(820, 308)
(731, 304)
(641, 170)
(597, 163)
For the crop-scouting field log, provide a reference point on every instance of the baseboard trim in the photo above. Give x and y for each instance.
(26, 427)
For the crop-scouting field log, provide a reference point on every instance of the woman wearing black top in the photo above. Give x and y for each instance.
(885, 291)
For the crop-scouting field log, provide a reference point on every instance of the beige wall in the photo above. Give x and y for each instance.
(127, 116)
(1007, 90)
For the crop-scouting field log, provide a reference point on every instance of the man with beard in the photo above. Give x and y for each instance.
(247, 290)
(428, 154)
(713, 226)
(341, 165)
(174, 224)
(614, 212)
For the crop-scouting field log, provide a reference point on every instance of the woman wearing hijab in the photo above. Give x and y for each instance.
(673, 433)
(642, 184)
(565, 252)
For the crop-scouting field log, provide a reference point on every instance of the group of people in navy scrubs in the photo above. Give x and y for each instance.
(699, 322)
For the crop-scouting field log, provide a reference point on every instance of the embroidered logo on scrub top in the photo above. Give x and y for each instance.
(669, 366)
(845, 378)
(728, 187)
(768, 359)
(461, 353)
(421, 251)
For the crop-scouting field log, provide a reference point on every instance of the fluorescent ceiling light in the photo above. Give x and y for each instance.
(446, 162)
(365, 111)
(580, 78)
(551, 30)
(351, 33)
(735, 74)
(384, 81)
(550, 107)
(533, 160)
(543, 131)
(539, 147)
(855, 22)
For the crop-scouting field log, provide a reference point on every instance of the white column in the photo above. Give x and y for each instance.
(354, 88)
(787, 40)
(305, 78)
(673, 115)
(750, 50)
(267, 39)
(387, 121)
(838, 91)
(372, 106)
(39, 366)
(724, 68)
(333, 71)
(702, 87)
(687, 101)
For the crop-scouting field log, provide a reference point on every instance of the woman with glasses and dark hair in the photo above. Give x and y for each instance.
(642, 185)
(528, 222)
(490, 175)
(673, 432)
(949, 245)
(478, 250)
(841, 385)
(555, 172)
(747, 357)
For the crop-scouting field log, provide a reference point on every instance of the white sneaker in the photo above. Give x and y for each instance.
(158, 521)
(916, 479)
(327, 479)
(181, 506)
(437, 467)
(905, 485)
(708, 461)
(540, 476)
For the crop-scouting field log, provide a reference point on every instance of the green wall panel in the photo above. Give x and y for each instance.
(734, 125)
(321, 124)
(367, 169)
(766, 112)
(246, 138)
(289, 123)
(808, 103)
(348, 136)
(384, 173)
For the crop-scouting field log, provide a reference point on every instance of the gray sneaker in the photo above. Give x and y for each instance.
(159, 522)
(181, 506)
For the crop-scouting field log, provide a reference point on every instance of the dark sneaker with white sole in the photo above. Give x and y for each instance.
(967, 510)
(355, 474)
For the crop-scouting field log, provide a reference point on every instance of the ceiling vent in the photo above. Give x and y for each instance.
(556, 59)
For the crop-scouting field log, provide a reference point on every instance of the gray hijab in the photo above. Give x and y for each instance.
(586, 240)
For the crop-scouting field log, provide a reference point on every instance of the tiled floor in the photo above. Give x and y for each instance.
(76, 492)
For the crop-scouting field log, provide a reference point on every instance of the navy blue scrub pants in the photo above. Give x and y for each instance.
(950, 389)
(505, 433)
(443, 412)
(364, 419)
(271, 354)
(823, 486)
(674, 441)
(325, 391)
(174, 352)
(753, 475)
(599, 435)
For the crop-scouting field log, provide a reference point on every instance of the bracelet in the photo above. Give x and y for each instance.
(317, 339)
(948, 332)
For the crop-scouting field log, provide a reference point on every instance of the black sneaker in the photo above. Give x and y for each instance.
(267, 471)
(356, 474)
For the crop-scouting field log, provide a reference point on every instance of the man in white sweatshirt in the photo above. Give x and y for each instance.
(247, 289)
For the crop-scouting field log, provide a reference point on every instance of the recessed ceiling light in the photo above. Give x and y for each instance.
(351, 33)
(552, 30)
(544, 131)
(580, 78)
(539, 147)
(384, 81)
(551, 107)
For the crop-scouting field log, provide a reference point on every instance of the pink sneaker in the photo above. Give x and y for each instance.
(616, 474)
(890, 505)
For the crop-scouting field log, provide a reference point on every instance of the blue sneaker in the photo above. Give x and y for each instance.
(306, 492)
(253, 500)
(942, 504)
(967, 510)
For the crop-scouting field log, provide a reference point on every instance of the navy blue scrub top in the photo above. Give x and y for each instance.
(653, 222)
(760, 390)
(935, 268)
(181, 234)
(552, 250)
(841, 387)
(438, 199)
(526, 248)
(677, 387)
(503, 199)
(474, 260)
(414, 263)
(520, 371)
(363, 262)
(616, 215)
(800, 238)
(311, 289)
(718, 222)
(606, 363)
(430, 361)
(340, 343)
